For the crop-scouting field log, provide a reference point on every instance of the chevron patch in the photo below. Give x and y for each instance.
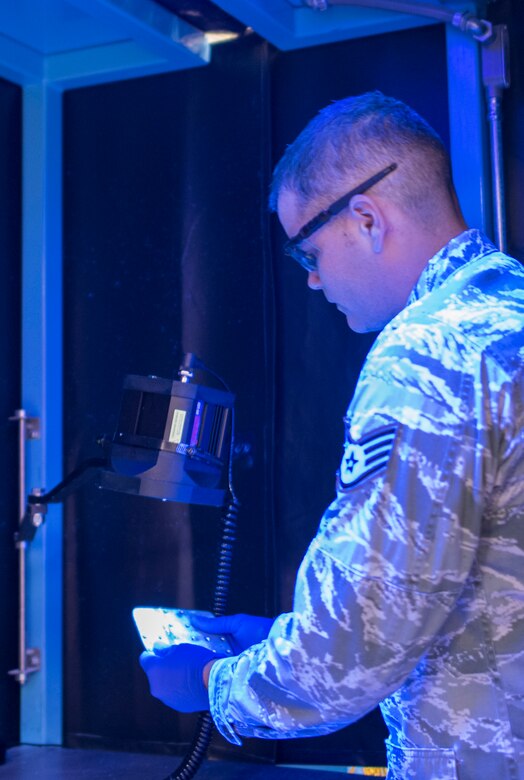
(365, 457)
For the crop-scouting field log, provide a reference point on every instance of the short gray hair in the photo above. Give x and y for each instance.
(354, 138)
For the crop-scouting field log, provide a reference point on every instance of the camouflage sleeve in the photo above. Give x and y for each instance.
(391, 554)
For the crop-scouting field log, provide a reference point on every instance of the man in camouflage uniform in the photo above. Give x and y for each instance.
(411, 594)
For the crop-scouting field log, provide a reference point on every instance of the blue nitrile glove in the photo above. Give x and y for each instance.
(242, 630)
(175, 676)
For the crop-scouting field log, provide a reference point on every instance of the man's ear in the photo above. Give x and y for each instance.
(370, 218)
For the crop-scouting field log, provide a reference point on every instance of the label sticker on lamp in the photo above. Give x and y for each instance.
(177, 426)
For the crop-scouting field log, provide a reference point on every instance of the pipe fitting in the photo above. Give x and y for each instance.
(480, 29)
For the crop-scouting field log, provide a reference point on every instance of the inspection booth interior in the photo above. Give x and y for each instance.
(137, 150)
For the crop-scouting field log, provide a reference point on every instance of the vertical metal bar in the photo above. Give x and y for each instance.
(496, 78)
(497, 167)
(468, 132)
(28, 658)
(21, 416)
(41, 696)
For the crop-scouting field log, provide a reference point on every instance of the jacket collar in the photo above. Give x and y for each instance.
(468, 246)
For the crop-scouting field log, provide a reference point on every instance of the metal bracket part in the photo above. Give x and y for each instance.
(31, 425)
(495, 59)
(32, 664)
(32, 520)
(32, 428)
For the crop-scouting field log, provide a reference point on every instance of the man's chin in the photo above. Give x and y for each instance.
(359, 327)
(355, 325)
(349, 319)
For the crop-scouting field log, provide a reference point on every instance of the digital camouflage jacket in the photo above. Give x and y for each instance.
(411, 594)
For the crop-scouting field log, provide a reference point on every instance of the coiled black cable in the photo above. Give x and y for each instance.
(198, 748)
(225, 557)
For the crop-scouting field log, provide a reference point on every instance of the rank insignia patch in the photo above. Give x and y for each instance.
(365, 457)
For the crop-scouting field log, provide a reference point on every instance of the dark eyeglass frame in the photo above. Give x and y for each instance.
(308, 260)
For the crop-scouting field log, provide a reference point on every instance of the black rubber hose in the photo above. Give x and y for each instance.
(197, 751)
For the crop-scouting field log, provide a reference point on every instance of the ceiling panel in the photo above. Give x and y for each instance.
(72, 43)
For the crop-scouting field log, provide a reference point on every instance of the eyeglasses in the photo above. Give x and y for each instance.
(308, 260)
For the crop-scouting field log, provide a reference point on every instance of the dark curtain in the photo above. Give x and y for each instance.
(165, 227)
(10, 222)
(169, 248)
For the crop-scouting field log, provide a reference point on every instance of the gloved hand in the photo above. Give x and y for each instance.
(175, 675)
(241, 630)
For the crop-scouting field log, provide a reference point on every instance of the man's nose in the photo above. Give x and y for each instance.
(313, 280)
